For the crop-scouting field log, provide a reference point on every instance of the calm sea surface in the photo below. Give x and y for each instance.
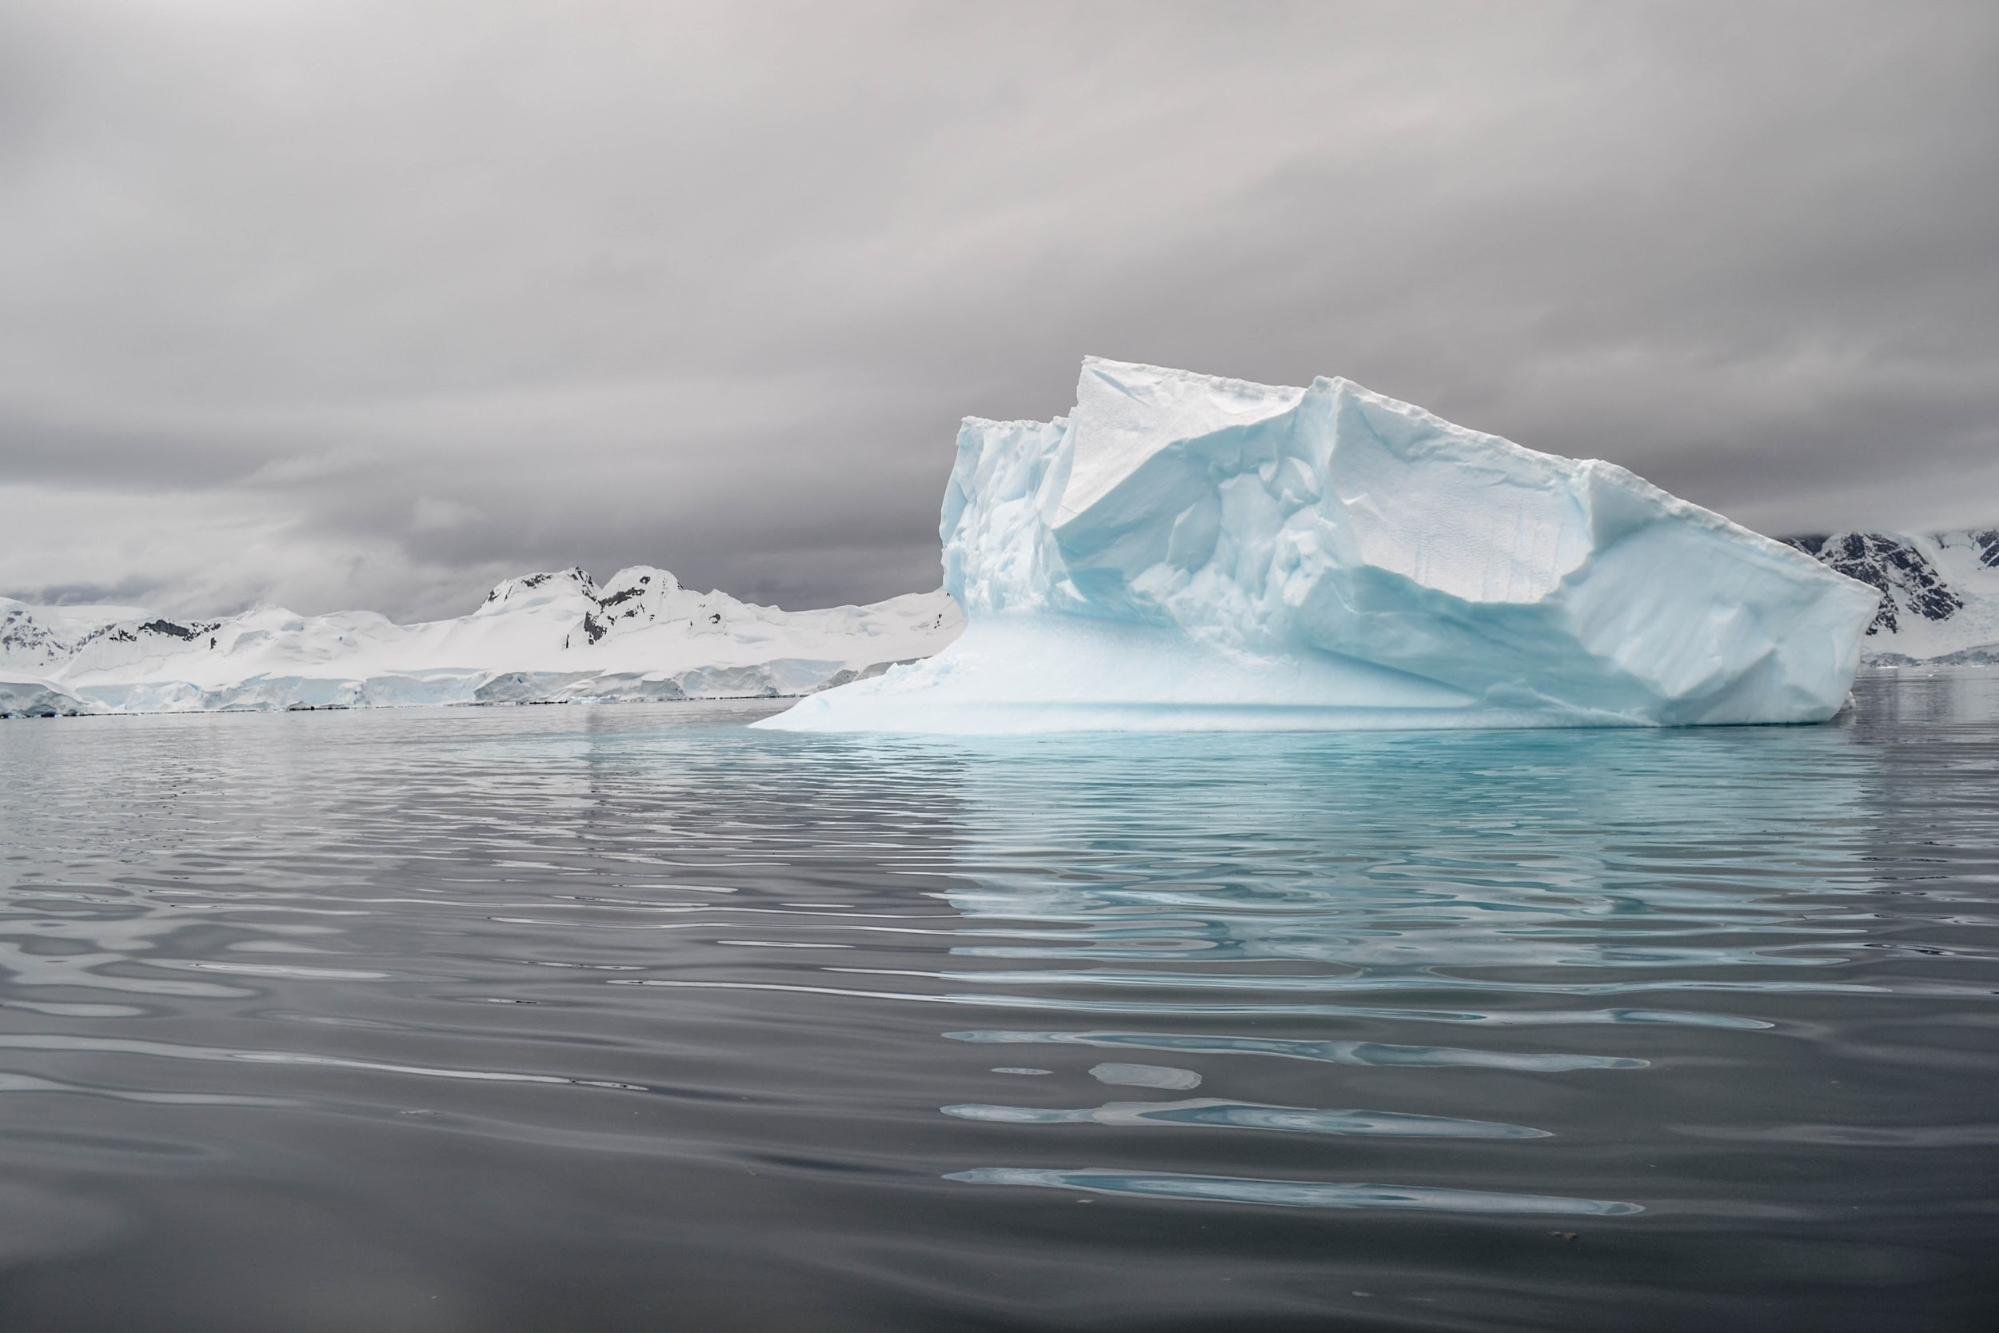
(630, 1017)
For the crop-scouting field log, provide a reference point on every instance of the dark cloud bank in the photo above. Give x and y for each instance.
(353, 304)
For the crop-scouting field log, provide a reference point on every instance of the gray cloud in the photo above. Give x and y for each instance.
(345, 303)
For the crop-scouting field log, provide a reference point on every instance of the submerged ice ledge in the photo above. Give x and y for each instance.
(1187, 552)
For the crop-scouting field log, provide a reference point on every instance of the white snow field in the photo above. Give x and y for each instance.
(1187, 552)
(549, 637)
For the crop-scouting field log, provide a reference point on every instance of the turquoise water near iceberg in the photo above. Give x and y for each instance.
(631, 1016)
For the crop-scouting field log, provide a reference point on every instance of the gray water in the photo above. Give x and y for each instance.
(629, 1017)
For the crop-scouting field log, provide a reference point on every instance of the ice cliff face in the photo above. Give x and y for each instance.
(553, 636)
(1938, 592)
(1186, 551)
(32, 698)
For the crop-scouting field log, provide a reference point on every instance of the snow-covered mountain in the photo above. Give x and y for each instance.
(557, 635)
(1939, 591)
(25, 641)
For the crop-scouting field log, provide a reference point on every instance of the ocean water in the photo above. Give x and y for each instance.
(630, 1017)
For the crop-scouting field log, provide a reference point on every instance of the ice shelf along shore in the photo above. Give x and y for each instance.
(1187, 552)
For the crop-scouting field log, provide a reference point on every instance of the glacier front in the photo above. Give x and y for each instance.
(1184, 552)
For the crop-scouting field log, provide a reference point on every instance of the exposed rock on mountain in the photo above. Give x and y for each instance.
(26, 642)
(1939, 591)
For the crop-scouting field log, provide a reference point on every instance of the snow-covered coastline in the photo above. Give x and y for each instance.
(560, 636)
(557, 636)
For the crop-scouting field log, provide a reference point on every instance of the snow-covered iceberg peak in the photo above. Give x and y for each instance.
(1185, 551)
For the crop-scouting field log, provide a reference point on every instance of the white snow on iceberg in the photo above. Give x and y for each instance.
(1183, 551)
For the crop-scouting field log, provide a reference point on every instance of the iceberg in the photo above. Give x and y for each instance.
(1185, 552)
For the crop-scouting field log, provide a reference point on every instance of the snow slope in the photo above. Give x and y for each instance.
(1938, 592)
(554, 635)
(1185, 551)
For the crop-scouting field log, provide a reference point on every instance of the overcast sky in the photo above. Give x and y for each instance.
(350, 304)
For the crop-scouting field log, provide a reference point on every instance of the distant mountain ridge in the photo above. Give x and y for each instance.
(1939, 591)
(548, 636)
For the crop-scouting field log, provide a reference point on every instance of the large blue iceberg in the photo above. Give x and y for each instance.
(1185, 552)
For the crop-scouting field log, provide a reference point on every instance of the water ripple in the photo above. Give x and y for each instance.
(1219, 1114)
(1301, 1193)
(693, 1016)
